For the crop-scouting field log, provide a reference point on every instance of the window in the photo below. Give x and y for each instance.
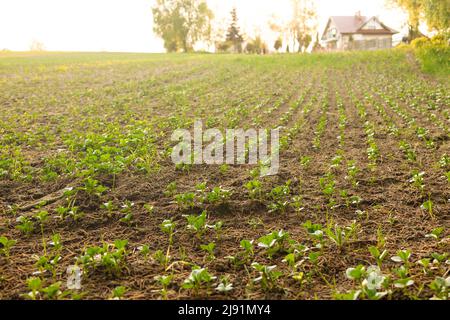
(372, 25)
(333, 33)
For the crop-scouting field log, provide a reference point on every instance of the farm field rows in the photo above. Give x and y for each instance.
(359, 209)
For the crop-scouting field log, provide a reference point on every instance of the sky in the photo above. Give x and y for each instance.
(127, 26)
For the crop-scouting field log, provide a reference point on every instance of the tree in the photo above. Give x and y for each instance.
(303, 23)
(278, 44)
(277, 26)
(234, 34)
(414, 8)
(256, 46)
(435, 13)
(37, 46)
(317, 47)
(182, 23)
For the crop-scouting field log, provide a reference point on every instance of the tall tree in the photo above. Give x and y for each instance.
(303, 23)
(278, 44)
(278, 26)
(414, 8)
(182, 23)
(234, 34)
(435, 13)
(256, 46)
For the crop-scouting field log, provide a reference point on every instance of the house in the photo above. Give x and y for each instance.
(356, 33)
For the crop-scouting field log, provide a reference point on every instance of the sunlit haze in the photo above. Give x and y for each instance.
(126, 25)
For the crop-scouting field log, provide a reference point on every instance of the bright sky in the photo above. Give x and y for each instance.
(126, 25)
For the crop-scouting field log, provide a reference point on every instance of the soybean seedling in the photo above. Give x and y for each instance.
(149, 208)
(441, 288)
(297, 204)
(93, 187)
(25, 225)
(402, 256)
(118, 293)
(254, 189)
(145, 251)
(436, 233)
(197, 224)
(109, 207)
(225, 286)
(6, 245)
(171, 189)
(267, 276)
(165, 282)
(305, 161)
(42, 217)
(185, 200)
(428, 206)
(198, 278)
(242, 257)
(378, 256)
(127, 208)
(49, 261)
(315, 231)
(110, 257)
(280, 198)
(168, 227)
(274, 242)
(218, 196)
(417, 180)
(340, 236)
(209, 248)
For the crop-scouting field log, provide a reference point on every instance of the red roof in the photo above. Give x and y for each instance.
(353, 24)
(348, 24)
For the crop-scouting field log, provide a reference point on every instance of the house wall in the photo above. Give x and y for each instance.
(365, 42)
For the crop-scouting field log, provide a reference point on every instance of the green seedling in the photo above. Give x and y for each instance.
(436, 233)
(149, 208)
(225, 286)
(118, 293)
(164, 282)
(417, 180)
(428, 206)
(198, 278)
(185, 200)
(110, 258)
(254, 188)
(339, 235)
(280, 198)
(305, 161)
(275, 242)
(441, 288)
(6, 245)
(144, 250)
(209, 248)
(267, 276)
(218, 196)
(197, 224)
(109, 207)
(377, 255)
(26, 226)
(171, 189)
(408, 151)
(402, 256)
(168, 227)
(93, 187)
